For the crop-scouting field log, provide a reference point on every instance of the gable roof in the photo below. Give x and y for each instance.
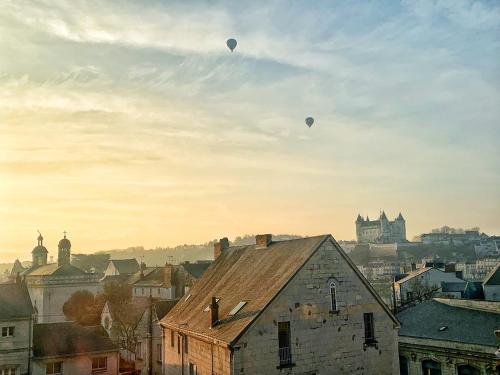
(152, 277)
(163, 307)
(127, 266)
(250, 274)
(17, 268)
(15, 301)
(493, 278)
(69, 338)
(464, 325)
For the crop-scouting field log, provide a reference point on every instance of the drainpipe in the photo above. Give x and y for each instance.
(150, 364)
(30, 334)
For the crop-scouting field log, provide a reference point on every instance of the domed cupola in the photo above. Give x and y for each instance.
(64, 253)
(39, 253)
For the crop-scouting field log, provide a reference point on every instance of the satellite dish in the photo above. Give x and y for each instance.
(231, 44)
(309, 121)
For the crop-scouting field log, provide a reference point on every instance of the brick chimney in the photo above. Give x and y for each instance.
(168, 275)
(263, 240)
(220, 246)
(214, 312)
(414, 266)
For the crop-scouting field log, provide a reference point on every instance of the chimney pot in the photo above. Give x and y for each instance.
(263, 240)
(220, 246)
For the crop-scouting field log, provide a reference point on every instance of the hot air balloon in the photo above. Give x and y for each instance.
(231, 44)
(309, 121)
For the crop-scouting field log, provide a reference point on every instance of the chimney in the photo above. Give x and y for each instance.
(449, 267)
(263, 240)
(214, 312)
(220, 246)
(168, 275)
(413, 266)
(18, 278)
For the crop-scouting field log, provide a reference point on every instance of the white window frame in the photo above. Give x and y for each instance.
(8, 331)
(52, 372)
(99, 368)
(8, 371)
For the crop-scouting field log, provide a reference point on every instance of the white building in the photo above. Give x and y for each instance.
(51, 285)
(421, 281)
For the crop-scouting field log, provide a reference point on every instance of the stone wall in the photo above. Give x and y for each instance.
(14, 350)
(78, 365)
(322, 342)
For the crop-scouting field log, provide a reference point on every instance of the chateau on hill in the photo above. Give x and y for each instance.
(381, 230)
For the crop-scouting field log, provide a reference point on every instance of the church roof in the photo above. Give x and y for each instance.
(15, 301)
(54, 269)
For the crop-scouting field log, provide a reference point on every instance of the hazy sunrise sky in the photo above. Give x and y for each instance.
(131, 123)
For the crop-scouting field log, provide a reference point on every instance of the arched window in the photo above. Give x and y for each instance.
(468, 370)
(403, 365)
(333, 296)
(430, 367)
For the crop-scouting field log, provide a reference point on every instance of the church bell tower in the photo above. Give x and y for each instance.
(64, 253)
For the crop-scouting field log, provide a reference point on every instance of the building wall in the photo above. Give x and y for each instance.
(448, 354)
(154, 291)
(14, 350)
(48, 299)
(491, 292)
(208, 357)
(78, 365)
(431, 278)
(381, 231)
(322, 342)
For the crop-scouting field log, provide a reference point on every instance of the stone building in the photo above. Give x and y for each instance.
(381, 230)
(491, 284)
(16, 319)
(287, 307)
(449, 337)
(50, 285)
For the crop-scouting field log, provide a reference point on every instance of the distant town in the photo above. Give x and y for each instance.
(259, 305)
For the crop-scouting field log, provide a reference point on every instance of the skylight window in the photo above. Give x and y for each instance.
(206, 309)
(189, 295)
(237, 308)
(443, 328)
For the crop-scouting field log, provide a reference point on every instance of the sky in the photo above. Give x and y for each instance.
(130, 123)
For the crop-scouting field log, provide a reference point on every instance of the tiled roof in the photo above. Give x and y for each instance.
(126, 266)
(244, 273)
(152, 277)
(15, 301)
(137, 276)
(68, 338)
(439, 321)
(493, 277)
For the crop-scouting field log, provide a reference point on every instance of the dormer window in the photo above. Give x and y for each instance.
(237, 308)
(333, 297)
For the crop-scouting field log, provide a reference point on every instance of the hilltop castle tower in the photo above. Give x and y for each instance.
(381, 230)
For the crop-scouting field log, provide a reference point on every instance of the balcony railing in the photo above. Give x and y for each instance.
(285, 356)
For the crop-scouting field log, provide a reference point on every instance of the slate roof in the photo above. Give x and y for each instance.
(69, 338)
(464, 325)
(137, 276)
(152, 277)
(53, 269)
(197, 269)
(126, 266)
(15, 302)
(453, 286)
(250, 274)
(493, 278)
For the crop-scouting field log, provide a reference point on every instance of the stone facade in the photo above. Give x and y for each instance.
(450, 357)
(15, 350)
(322, 341)
(79, 364)
(381, 230)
